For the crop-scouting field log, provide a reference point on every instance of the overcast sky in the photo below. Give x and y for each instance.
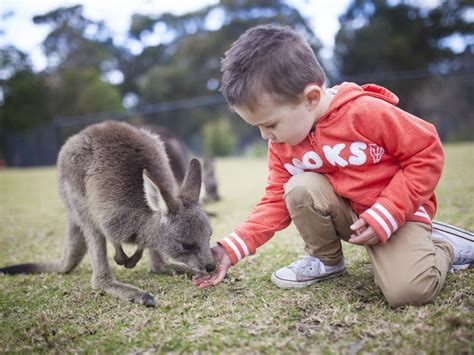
(21, 32)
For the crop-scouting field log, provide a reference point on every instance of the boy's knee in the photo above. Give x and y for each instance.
(407, 292)
(307, 189)
(298, 197)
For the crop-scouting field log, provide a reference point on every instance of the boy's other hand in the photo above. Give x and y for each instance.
(363, 234)
(223, 264)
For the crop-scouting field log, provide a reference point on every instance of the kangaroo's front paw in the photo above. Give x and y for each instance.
(134, 259)
(119, 260)
(130, 264)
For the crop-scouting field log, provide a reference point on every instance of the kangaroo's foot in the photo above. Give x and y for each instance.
(126, 292)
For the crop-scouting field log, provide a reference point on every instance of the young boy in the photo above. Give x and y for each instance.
(344, 164)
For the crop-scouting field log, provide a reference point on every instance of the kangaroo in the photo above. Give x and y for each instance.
(116, 184)
(210, 181)
(179, 159)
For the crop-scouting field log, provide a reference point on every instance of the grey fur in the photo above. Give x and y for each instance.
(103, 173)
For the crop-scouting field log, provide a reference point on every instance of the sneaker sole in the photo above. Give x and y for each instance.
(459, 267)
(301, 284)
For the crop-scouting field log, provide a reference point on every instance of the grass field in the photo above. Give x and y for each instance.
(246, 313)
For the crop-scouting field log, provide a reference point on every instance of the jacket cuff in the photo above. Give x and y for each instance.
(235, 247)
(382, 219)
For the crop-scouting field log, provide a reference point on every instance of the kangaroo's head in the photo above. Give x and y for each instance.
(179, 230)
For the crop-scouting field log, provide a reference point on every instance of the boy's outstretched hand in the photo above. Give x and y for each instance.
(223, 264)
(363, 234)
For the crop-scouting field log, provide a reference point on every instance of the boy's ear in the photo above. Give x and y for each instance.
(312, 95)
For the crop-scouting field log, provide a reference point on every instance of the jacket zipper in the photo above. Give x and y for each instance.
(312, 138)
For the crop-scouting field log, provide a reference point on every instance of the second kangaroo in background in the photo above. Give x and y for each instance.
(116, 184)
(179, 159)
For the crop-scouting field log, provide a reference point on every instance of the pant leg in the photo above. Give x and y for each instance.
(411, 267)
(321, 217)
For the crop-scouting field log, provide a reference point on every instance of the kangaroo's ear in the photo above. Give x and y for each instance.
(202, 193)
(158, 200)
(191, 187)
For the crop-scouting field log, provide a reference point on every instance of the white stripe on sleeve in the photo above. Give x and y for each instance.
(388, 215)
(422, 214)
(233, 247)
(380, 221)
(241, 242)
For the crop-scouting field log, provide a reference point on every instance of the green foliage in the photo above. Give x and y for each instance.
(99, 96)
(165, 83)
(26, 101)
(194, 51)
(218, 138)
(258, 149)
(13, 60)
(381, 36)
(82, 91)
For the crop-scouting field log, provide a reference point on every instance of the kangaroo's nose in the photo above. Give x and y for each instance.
(210, 267)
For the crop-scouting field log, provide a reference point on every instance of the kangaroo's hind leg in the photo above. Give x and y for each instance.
(75, 247)
(102, 275)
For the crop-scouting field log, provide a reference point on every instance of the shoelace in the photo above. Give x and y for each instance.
(310, 262)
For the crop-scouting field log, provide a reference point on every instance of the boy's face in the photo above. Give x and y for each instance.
(280, 122)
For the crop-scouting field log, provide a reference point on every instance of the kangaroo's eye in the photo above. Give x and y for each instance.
(188, 247)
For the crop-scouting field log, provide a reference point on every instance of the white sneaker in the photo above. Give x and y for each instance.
(305, 272)
(461, 240)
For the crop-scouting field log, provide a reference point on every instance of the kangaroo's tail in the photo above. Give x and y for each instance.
(32, 268)
(75, 248)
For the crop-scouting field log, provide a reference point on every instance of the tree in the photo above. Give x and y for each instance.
(195, 49)
(76, 41)
(25, 103)
(82, 91)
(25, 96)
(377, 37)
(80, 51)
(12, 60)
(188, 65)
(218, 138)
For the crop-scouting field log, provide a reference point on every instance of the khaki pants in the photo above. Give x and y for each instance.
(409, 269)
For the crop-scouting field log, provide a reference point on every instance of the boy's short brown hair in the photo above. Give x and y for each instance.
(271, 59)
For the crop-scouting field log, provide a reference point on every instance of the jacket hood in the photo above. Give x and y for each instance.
(346, 92)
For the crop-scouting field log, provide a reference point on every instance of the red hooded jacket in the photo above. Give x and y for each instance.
(385, 161)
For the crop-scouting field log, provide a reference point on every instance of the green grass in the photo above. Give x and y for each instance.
(61, 313)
